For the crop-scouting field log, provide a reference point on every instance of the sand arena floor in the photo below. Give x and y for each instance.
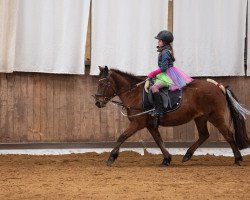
(86, 176)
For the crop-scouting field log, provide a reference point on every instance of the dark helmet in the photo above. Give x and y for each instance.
(166, 36)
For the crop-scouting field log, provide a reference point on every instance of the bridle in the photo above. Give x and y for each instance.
(106, 98)
(107, 84)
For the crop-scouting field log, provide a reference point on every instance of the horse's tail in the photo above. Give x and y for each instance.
(238, 114)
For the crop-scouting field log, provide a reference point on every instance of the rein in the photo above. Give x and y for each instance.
(118, 103)
(119, 93)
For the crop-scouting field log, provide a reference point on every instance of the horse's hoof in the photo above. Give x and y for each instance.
(240, 158)
(166, 162)
(187, 157)
(237, 163)
(237, 160)
(110, 161)
(109, 164)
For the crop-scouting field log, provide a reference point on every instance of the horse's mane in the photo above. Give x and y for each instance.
(127, 75)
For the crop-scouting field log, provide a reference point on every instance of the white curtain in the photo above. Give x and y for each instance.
(209, 36)
(8, 25)
(123, 34)
(51, 36)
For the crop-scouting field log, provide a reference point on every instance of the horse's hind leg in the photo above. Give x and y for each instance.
(201, 124)
(221, 125)
(158, 139)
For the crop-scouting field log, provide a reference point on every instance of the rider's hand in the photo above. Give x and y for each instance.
(146, 86)
(151, 81)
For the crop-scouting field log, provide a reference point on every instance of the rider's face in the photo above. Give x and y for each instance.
(160, 43)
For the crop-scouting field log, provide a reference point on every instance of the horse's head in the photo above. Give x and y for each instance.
(106, 88)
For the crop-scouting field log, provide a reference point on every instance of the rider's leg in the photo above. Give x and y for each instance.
(159, 109)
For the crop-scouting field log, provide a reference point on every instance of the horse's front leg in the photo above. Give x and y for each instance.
(158, 139)
(133, 127)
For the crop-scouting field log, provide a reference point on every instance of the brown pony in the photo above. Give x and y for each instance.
(202, 101)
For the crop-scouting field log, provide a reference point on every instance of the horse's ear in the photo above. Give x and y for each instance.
(106, 70)
(101, 68)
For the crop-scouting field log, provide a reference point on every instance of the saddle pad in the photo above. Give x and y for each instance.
(171, 100)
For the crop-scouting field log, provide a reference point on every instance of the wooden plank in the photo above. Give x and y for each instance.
(98, 134)
(43, 104)
(110, 123)
(85, 134)
(178, 133)
(3, 108)
(37, 135)
(103, 125)
(95, 129)
(70, 111)
(63, 109)
(56, 103)
(77, 106)
(169, 134)
(212, 132)
(88, 128)
(118, 122)
(17, 109)
(30, 107)
(50, 108)
(190, 131)
(24, 110)
(10, 108)
(144, 136)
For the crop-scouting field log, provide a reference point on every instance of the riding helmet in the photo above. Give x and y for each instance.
(166, 36)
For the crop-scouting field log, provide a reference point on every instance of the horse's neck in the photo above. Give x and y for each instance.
(124, 83)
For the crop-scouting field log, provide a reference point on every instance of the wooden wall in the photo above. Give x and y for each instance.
(59, 108)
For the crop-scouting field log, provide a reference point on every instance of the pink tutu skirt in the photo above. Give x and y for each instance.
(179, 78)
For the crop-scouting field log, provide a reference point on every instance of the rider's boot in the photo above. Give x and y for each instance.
(159, 109)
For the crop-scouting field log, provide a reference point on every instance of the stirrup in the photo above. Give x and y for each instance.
(157, 114)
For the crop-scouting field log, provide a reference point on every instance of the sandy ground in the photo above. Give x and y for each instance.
(86, 176)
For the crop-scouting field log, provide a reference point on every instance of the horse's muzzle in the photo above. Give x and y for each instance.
(100, 104)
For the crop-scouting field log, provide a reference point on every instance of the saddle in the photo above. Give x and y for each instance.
(171, 99)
